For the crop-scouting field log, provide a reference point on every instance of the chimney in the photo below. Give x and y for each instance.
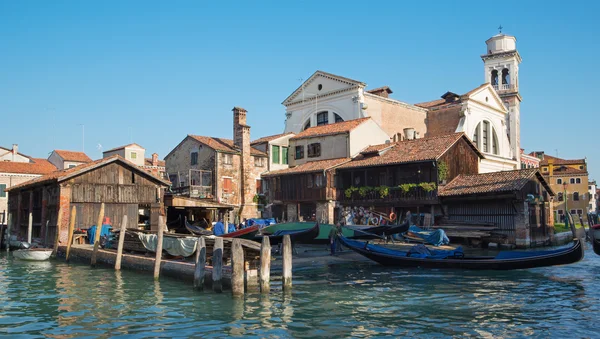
(409, 133)
(239, 120)
(154, 159)
(15, 150)
(384, 91)
(241, 140)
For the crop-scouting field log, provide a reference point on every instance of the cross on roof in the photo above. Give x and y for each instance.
(500, 29)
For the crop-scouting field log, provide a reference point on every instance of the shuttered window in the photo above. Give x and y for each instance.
(2, 193)
(258, 186)
(275, 154)
(227, 185)
(284, 155)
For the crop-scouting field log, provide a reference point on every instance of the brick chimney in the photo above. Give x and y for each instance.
(241, 140)
(15, 150)
(384, 91)
(154, 159)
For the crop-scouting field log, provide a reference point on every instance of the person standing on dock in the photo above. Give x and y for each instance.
(333, 237)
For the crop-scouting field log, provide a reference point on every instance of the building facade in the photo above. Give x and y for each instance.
(593, 201)
(529, 161)
(68, 159)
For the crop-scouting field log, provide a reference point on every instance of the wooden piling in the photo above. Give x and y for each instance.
(46, 229)
(8, 227)
(265, 265)
(121, 243)
(71, 230)
(287, 262)
(1, 234)
(57, 235)
(29, 226)
(200, 268)
(217, 261)
(97, 235)
(237, 268)
(159, 246)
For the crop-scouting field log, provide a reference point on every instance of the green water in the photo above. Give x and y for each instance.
(53, 299)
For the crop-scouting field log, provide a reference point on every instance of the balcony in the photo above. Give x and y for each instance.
(394, 195)
(306, 194)
(194, 191)
(504, 88)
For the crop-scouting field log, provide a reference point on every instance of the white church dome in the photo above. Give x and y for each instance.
(501, 43)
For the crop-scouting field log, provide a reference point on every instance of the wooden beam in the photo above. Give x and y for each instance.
(121, 242)
(200, 268)
(96, 235)
(265, 265)
(287, 262)
(159, 246)
(237, 268)
(71, 229)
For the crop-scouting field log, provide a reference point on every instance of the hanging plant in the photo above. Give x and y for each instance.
(384, 191)
(428, 186)
(407, 187)
(349, 191)
(442, 171)
(256, 198)
(364, 190)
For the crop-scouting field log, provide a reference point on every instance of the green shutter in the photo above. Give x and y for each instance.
(2, 193)
(284, 155)
(275, 154)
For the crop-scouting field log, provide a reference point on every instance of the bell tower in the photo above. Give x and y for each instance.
(501, 69)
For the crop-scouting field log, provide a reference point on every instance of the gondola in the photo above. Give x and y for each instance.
(505, 260)
(296, 236)
(379, 232)
(244, 233)
(595, 238)
(196, 230)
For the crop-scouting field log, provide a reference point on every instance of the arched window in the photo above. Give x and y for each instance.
(494, 79)
(560, 196)
(486, 138)
(306, 124)
(494, 142)
(505, 77)
(576, 196)
(337, 117)
(322, 118)
(476, 135)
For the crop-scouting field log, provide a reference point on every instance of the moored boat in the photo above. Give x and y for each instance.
(244, 233)
(196, 230)
(303, 236)
(595, 237)
(505, 260)
(322, 237)
(33, 254)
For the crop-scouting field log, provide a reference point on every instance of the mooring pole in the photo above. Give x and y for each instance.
(9, 224)
(121, 243)
(47, 228)
(29, 226)
(265, 265)
(200, 268)
(217, 261)
(287, 262)
(159, 246)
(237, 268)
(71, 230)
(57, 235)
(97, 235)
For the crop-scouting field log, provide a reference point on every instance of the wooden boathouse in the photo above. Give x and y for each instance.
(125, 188)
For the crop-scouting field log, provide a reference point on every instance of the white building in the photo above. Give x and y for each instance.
(132, 152)
(593, 198)
(68, 159)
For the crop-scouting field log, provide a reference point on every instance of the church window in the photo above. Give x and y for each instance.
(484, 136)
(322, 118)
(320, 87)
(494, 79)
(337, 117)
(494, 142)
(505, 77)
(307, 124)
(476, 135)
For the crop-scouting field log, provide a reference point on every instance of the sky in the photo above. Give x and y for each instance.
(93, 75)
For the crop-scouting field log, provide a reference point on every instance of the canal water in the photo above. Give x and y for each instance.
(56, 300)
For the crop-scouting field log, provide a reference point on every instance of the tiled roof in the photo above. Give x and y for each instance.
(38, 166)
(124, 146)
(380, 89)
(330, 129)
(408, 151)
(148, 162)
(308, 167)
(506, 181)
(376, 148)
(443, 103)
(70, 172)
(224, 145)
(559, 161)
(565, 170)
(4, 150)
(73, 156)
(269, 138)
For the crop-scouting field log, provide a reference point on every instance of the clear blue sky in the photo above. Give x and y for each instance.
(152, 72)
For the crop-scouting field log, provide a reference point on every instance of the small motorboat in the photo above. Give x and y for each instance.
(244, 233)
(33, 254)
(196, 230)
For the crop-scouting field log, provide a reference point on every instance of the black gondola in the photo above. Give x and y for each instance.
(379, 231)
(595, 238)
(506, 260)
(196, 230)
(304, 236)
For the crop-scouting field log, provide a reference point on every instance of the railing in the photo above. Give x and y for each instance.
(309, 194)
(395, 194)
(201, 192)
(504, 87)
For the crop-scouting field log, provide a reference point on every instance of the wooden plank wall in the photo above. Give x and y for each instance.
(500, 212)
(461, 159)
(87, 214)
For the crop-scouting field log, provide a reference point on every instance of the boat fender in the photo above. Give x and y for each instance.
(392, 216)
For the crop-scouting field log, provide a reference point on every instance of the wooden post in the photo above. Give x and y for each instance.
(1, 233)
(121, 243)
(46, 229)
(71, 229)
(265, 265)
(9, 223)
(29, 226)
(237, 268)
(97, 235)
(200, 264)
(57, 235)
(287, 262)
(159, 246)
(217, 261)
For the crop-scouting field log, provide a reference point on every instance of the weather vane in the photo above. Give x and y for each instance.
(500, 28)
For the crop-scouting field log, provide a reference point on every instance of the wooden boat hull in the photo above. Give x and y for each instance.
(595, 237)
(569, 255)
(380, 231)
(245, 233)
(322, 238)
(306, 236)
(196, 230)
(33, 254)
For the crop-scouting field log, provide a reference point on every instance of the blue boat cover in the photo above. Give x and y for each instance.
(417, 251)
(261, 222)
(219, 228)
(92, 232)
(436, 238)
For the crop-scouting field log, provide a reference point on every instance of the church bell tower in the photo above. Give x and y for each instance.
(501, 68)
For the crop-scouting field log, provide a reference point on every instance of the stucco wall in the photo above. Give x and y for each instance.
(179, 160)
(366, 134)
(332, 146)
(11, 180)
(394, 116)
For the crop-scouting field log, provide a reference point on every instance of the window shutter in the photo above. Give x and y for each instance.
(258, 186)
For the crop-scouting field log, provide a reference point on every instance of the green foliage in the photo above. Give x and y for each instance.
(259, 199)
(349, 191)
(442, 168)
(428, 186)
(362, 191)
(383, 190)
(407, 187)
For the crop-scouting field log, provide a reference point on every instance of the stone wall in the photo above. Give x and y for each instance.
(292, 212)
(325, 212)
(522, 232)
